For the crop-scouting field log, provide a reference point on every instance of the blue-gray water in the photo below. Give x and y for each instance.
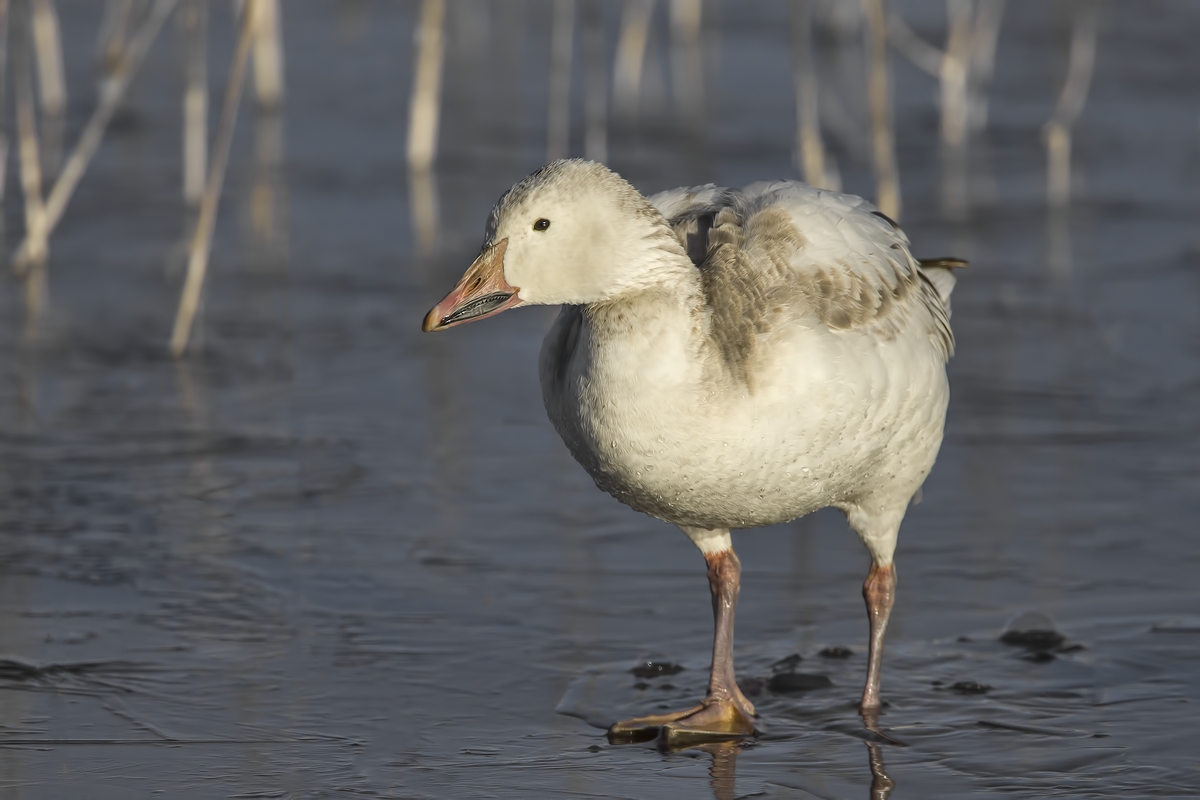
(328, 556)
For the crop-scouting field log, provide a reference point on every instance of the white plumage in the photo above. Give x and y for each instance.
(728, 359)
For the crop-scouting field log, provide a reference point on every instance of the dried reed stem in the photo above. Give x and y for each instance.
(48, 44)
(921, 53)
(30, 159)
(810, 151)
(595, 106)
(268, 55)
(964, 68)
(687, 63)
(631, 56)
(988, 16)
(194, 20)
(427, 86)
(1070, 105)
(558, 114)
(111, 91)
(52, 86)
(189, 301)
(4, 8)
(954, 82)
(879, 100)
(953, 72)
(114, 29)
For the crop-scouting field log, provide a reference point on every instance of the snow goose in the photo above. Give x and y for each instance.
(728, 359)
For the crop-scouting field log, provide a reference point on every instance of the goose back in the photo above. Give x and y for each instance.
(775, 252)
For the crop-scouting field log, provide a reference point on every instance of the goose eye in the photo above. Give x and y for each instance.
(541, 224)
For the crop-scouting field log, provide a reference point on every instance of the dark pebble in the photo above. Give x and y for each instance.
(13, 670)
(653, 669)
(1033, 631)
(1034, 640)
(787, 664)
(971, 687)
(836, 651)
(640, 685)
(796, 682)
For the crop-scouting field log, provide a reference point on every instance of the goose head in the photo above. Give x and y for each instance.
(573, 232)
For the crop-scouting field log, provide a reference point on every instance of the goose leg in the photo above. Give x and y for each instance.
(725, 712)
(879, 591)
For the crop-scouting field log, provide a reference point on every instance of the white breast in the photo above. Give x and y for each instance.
(830, 418)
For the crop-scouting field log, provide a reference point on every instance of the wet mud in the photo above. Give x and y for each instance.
(325, 555)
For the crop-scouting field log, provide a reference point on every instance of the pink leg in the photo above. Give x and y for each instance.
(879, 591)
(724, 582)
(725, 712)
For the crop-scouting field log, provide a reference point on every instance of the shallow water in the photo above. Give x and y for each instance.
(329, 556)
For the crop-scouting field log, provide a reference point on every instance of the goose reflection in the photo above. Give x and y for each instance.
(723, 769)
(881, 782)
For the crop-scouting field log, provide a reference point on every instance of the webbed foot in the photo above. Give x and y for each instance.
(711, 721)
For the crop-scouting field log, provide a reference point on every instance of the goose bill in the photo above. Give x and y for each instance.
(481, 292)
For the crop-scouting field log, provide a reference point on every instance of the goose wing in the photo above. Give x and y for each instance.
(773, 249)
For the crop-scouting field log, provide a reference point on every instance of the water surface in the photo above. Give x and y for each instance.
(328, 556)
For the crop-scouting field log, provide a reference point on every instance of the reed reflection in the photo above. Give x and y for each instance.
(268, 193)
(1058, 245)
(35, 301)
(423, 206)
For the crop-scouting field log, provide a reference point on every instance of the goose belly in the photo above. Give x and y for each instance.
(758, 458)
(822, 420)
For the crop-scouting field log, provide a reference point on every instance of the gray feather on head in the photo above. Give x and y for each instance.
(569, 177)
